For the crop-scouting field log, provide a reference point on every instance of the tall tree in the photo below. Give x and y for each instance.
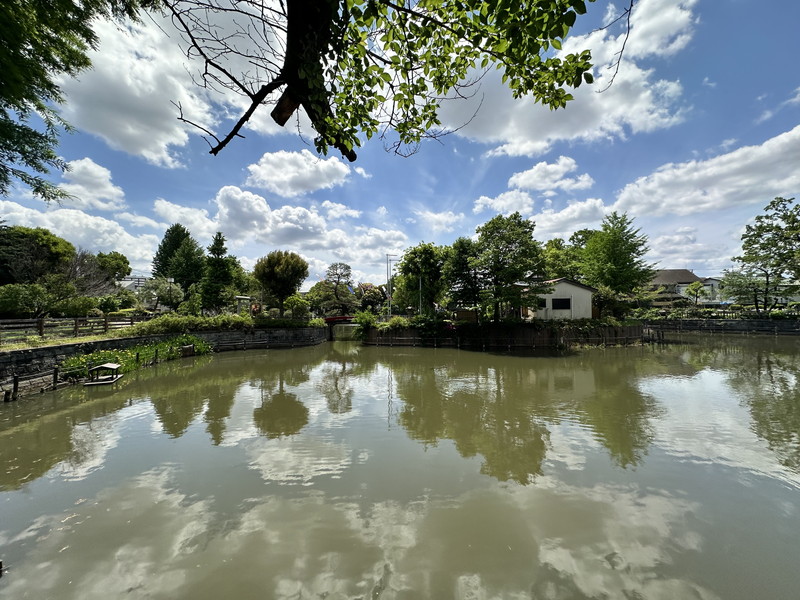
(187, 264)
(461, 273)
(359, 67)
(509, 262)
(421, 282)
(612, 256)
(281, 273)
(340, 276)
(172, 240)
(771, 251)
(218, 274)
(43, 41)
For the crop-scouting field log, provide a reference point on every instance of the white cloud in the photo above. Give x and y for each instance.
(551, 176)
(636, 102)
(562, 223)
(125, 98)
(140, 221)
(769, 113)
(339, 211)
(196, 220)
(439, 222)
(290, 174)
(748, 175)
(91, 187)
(248, 218)
(506, 203)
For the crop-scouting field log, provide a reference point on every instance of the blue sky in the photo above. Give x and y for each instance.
(700, 130)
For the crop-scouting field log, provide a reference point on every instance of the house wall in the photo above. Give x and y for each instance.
(580, 302)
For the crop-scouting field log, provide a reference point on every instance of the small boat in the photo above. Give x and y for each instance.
(104, 374)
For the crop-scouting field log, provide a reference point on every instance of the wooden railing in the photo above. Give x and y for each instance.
(15, 331)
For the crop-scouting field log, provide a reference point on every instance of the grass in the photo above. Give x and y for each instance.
(131, 359)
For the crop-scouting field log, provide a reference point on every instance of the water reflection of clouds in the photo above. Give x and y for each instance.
(294, 460)
(570, 444)
(705, 421)
(92, 442)
(602, 541)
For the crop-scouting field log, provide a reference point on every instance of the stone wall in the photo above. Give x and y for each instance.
(31, 361)
(489, 337)
(763, 326)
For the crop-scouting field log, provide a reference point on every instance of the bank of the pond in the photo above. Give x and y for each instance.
(33, 367)
(509, 336)
(654, 329)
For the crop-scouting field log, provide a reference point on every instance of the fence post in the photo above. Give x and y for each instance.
(40, 326)
(105, 323)
(15, 387)
(75, 329)
(55, 377)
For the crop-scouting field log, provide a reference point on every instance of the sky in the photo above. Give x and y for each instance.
(698, 132)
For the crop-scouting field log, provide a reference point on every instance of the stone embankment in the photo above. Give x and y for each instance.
(653, 329)
(33, 366)
(509, 338)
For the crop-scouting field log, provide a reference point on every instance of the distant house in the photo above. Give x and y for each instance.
(567, 300)
(673, 283)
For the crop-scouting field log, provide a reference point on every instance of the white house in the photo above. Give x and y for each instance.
(567, 300)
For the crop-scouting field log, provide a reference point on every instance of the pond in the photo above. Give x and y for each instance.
(343, 471)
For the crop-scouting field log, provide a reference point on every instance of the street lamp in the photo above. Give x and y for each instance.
(389, 260)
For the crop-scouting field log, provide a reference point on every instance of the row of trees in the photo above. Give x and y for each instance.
(769, 265)
(41, 273)
(505, 268)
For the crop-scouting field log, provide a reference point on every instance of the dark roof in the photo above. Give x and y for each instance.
(672, 276)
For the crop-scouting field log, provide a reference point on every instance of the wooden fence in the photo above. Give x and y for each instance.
(13, 331)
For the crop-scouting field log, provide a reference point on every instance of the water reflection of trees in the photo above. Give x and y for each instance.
(765, 372)
(41, 432)
(503, 407)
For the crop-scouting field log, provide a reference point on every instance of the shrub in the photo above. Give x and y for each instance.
(78, 366)
(395, 323)
(365, 319)
(75, 307)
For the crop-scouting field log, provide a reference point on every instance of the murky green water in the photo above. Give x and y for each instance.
(343, 471)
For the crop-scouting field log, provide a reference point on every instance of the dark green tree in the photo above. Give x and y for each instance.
(187, 264)
(218, 275)
(172, 240)
(320, 296)
(371, 297)
(461, 273)
(509, 263)
(281, 273)
(28, 254)
(344, 301)
(421, 283)
(114, 264)
(612, 256)
(42, 41)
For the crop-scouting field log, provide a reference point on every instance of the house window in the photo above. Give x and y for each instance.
(562, 303)
(541, 303)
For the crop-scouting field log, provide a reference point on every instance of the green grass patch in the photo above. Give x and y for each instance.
(78, 366)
